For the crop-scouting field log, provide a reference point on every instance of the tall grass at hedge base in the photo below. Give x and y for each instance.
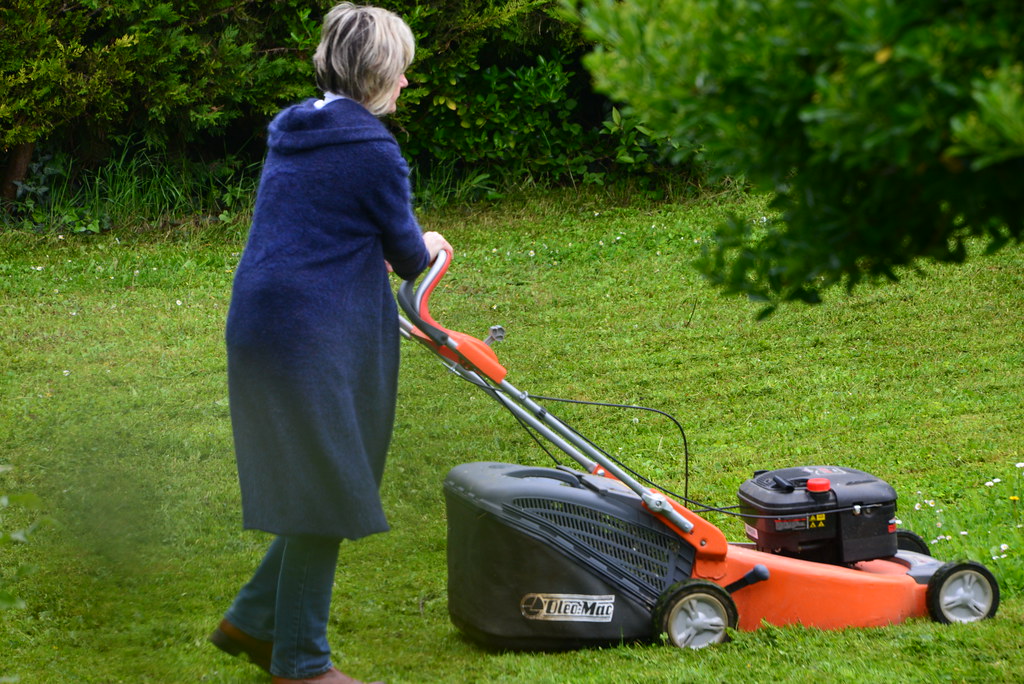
(136, 189)
(140, 189)
(115, 413)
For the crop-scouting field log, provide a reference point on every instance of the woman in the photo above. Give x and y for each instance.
(312, 339)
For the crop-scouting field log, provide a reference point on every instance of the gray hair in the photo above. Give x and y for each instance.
(363, 53)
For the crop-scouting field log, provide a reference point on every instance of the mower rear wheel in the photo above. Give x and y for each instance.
(695, 614)
(962, 592)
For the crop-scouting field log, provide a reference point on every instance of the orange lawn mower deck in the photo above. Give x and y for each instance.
(555, 558)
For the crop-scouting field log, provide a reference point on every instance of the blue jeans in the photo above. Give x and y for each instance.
(288, 602)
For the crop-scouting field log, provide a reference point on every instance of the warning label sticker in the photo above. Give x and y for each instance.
(811, 522)
(790, 524)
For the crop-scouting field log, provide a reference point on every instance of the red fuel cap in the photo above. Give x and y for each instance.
(818, 484)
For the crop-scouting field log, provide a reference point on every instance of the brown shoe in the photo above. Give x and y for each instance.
(332, 676)
(234, 641)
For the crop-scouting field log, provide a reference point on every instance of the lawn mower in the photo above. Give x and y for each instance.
(549, 558)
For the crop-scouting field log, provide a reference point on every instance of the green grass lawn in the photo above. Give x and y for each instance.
(114, 411)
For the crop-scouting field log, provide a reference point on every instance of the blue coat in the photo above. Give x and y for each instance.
(312, 330)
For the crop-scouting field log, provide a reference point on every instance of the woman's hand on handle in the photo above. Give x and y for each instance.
(435, 243)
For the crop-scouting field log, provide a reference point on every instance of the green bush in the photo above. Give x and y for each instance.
(518, 122)
(52, 73)
(888, 131)
(526, 124)
(161, 72)
(88, 78)
(497, 91)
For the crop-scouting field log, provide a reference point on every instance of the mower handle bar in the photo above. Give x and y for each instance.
(470, 358)
(414, 301)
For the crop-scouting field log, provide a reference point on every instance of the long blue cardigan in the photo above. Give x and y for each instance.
(312, 330)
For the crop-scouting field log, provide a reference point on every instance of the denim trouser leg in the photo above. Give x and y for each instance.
(288, 601)
(253, 609)
(303, 607)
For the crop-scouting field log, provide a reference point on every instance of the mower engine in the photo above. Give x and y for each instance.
(825, 514)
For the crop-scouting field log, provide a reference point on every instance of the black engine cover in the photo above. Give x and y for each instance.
(853, 521)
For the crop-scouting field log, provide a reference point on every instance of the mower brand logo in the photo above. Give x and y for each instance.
(568, 607)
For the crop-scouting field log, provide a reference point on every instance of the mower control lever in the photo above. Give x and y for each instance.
(494, 335)
(783, 483)
(758, 573)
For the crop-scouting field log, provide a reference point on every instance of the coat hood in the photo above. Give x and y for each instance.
(304, 127)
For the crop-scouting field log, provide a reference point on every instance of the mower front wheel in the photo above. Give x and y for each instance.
(695, 614)
(962, 592)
